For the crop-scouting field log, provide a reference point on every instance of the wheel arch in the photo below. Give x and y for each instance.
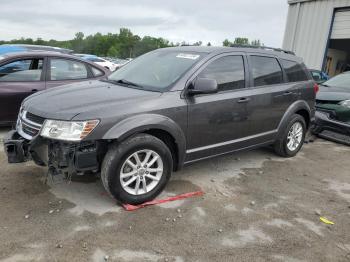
(299, 107)
(159, 126)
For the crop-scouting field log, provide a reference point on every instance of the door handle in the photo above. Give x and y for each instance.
(243, 100)
(287, 93)
(34, 90)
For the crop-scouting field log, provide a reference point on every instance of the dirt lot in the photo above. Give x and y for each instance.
(256, 207)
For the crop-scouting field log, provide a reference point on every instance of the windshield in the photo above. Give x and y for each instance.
(342, 80)
(157, 70)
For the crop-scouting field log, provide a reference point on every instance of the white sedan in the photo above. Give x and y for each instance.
(100, 61)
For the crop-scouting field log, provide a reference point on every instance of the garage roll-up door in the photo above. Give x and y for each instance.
(341, 25)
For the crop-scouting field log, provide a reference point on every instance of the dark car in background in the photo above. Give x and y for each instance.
(333, 108)
(319, 76)
(165, 109)
(24, 73)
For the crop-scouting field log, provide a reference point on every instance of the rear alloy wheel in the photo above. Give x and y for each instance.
(291, 141)
(295, 135)
(137, 169)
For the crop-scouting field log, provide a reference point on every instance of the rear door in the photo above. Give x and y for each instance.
(62, 71)
(271, 95)
(19, 78)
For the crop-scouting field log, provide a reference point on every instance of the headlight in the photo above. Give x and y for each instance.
(345, 103)
(68, 130)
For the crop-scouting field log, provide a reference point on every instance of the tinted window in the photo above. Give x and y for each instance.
(228, 72)
(294, 71)
(97, 72)
(266, 71)
(22, 70)
(62, 69)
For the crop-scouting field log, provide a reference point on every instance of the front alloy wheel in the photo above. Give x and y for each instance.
(141, 172)
(137, 169)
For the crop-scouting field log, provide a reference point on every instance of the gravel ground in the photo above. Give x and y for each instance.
(256, 207)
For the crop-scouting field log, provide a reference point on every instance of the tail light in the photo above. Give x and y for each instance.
(316, 88)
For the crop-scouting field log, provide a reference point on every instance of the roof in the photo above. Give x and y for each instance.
(47, 53)
(218, 50)
(37, 53)
(20, 47)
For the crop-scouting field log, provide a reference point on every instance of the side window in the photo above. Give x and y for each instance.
(294, 71)
(228, 72)
(63, 69)
(266, 71)
(26, 70)
(96, 72)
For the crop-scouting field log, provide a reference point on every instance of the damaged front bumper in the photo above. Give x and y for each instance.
(325, 121)
(61, 157)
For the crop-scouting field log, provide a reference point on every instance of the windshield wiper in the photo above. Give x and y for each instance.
(125, 82)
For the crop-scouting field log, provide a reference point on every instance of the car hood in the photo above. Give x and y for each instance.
(329, 93)
(66, 102)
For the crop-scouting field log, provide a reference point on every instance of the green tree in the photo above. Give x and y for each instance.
(78, 42)
(226, 43)
(256, 43)
(113, 52)
(241, 41)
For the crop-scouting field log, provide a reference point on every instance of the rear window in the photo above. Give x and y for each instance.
(294, 71)
(266, 71)
(64, 69)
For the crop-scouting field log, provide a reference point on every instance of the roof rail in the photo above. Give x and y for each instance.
(264, 47)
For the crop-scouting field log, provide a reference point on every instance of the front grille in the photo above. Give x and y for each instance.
(29, 125)
(29, 130)
(35, 118)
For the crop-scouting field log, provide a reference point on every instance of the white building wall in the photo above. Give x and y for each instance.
(307, 28)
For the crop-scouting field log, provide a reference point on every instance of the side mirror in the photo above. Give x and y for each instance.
(203, 86)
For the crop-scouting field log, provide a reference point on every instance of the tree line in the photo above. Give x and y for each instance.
(123, 44)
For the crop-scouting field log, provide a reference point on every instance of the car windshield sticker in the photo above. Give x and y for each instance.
(188, 56)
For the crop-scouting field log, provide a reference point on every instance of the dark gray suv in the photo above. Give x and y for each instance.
(167, 108)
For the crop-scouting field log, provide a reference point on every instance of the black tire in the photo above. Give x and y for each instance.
(118, 154)
(280, 145)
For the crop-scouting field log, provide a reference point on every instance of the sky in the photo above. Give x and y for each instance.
(176, 20)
